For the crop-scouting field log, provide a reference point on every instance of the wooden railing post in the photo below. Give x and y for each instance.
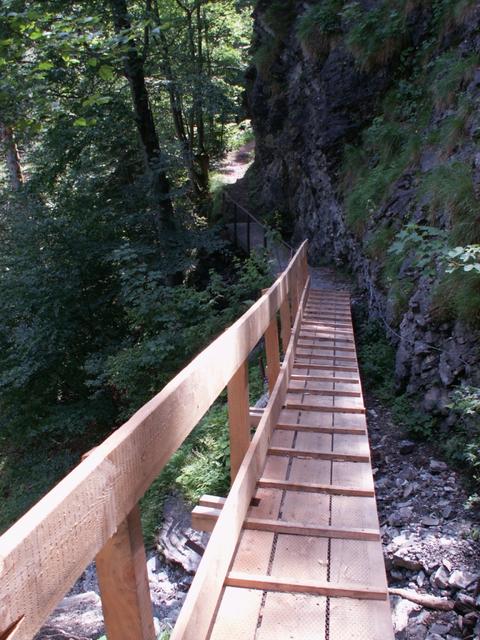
(272, 350)
(123, 581)
(285, 324)
(238, 417)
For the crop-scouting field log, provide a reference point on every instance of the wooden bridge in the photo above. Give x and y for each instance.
(295, 550)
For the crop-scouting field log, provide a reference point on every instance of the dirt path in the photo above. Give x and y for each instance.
(235, 164)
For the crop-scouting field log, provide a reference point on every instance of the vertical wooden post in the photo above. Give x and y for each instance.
(238, 417)
(272, 350)
(123, 581)
(285, 324)
(293, 288)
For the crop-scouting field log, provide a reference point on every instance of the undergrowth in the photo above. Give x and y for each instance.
(377, 366)
(202, 464)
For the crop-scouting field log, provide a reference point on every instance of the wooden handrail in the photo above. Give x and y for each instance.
(43, 554)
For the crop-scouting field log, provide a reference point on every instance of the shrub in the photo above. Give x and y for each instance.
(375, 35)
(449, 75)
(457, 296)
(449, 189)
(319, 26)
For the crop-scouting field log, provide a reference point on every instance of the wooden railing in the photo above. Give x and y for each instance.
(249, 233)
(93, 512)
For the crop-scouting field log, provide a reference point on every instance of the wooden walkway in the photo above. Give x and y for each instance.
(309, 563)
(295, 551)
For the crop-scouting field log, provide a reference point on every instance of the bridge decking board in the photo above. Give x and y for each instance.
(317, 473)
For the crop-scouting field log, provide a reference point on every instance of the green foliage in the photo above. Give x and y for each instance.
(201, 465)
(319, 25)
(449, 75)
(464, 448)
(464, 258)
(457, 296)
(416, 423)
(379, 242)
(423, 245)
(376, 34)
(377, 365)
(376, 357)
(449, 189)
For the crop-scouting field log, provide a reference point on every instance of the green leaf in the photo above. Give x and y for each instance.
(35, 35)
(45, 66)
(106, 72)
(92, 62)
(80, 122)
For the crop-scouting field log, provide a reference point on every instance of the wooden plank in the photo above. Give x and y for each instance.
(311, 377)
(238, 417)
(203, 596)
(318, 455)
(347, 618)
(304, 363)
(309, 428)
(123, 581)
(306, 405)
(56, 534)
(313, 487)
(325, 355)
(326, 392)
(314, 344)
(285, 324)
(272, 352)
(289, 585)
(301, 529)
(216, 502)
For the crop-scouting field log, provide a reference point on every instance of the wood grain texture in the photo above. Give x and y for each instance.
(65, 530)
(122, 577)
(204, 595)
(238, 417)
(289, 585)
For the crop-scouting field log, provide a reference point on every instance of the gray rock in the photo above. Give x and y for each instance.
(437, 466)
(401, 516)
(406, 447)
(80, 616)
(405, 557)
(462, 579)
(440, 578)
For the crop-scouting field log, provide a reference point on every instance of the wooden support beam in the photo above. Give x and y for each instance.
(291, 585)
(312, 343)
(317, 455)
(238, 418)
(307, 352)
(314, 378)
(123, 581)
(204, 519)
(287, 426)
(285, 324)
(272, 351)
(311, 487)
(325, 392)
(325, 367)
(204, 515)
(304, 406)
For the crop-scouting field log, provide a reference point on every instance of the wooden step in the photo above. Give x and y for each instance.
(204, 519)
(291, 585)
(317, 455)
(312, 487)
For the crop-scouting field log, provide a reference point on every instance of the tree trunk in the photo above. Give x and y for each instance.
(12, 157)
(134, 72)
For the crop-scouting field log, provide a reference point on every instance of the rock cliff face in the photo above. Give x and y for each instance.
(315, 96)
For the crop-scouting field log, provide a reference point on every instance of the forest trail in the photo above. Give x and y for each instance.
(235, 164)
